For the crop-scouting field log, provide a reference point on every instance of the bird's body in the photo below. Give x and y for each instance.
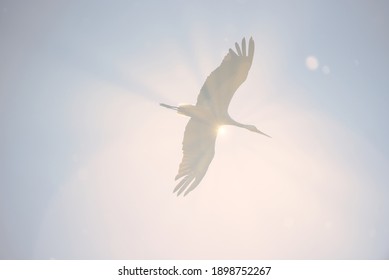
(210, 112)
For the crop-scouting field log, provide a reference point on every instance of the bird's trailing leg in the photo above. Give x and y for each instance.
(168, 106)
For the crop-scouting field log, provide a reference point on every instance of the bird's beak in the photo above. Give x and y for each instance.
(260, 132)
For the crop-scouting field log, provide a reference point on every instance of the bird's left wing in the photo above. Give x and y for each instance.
(221, 84)
(198, 148)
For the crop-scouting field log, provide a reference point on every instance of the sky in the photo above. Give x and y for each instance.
(88, 157)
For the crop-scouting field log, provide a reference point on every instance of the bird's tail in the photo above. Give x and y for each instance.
(168, 106)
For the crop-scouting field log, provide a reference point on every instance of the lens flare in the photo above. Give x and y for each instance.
(312, 63)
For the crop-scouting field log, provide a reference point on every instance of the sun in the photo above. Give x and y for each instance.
(221, 130)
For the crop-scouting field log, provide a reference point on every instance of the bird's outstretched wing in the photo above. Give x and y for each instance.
(199, 148)
(221, 84)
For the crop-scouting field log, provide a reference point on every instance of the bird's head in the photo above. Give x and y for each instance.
(253, 128)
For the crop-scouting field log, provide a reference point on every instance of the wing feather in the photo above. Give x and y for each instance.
(221, 84)
(238, 49)
(244, 46)
(198, 150)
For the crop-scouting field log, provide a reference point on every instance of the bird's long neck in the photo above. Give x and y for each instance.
(246, 126)
(234, 122)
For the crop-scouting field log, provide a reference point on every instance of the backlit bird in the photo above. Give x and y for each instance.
(209, 113)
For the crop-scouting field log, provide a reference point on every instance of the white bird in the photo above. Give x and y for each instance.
(209, 113)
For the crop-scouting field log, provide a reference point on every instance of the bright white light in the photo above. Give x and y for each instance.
(326, 70)
(312, 63)
(221, 130)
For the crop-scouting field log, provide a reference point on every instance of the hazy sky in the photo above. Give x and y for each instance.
(88, 158)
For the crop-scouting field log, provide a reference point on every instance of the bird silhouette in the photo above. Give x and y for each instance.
(209, 113)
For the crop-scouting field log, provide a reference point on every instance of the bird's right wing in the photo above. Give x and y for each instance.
(221, 84)
(198, 148)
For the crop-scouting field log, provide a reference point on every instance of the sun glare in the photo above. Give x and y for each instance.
(221, 130)
(312, 63)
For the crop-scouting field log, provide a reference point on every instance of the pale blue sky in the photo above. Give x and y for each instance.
(88, 158)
